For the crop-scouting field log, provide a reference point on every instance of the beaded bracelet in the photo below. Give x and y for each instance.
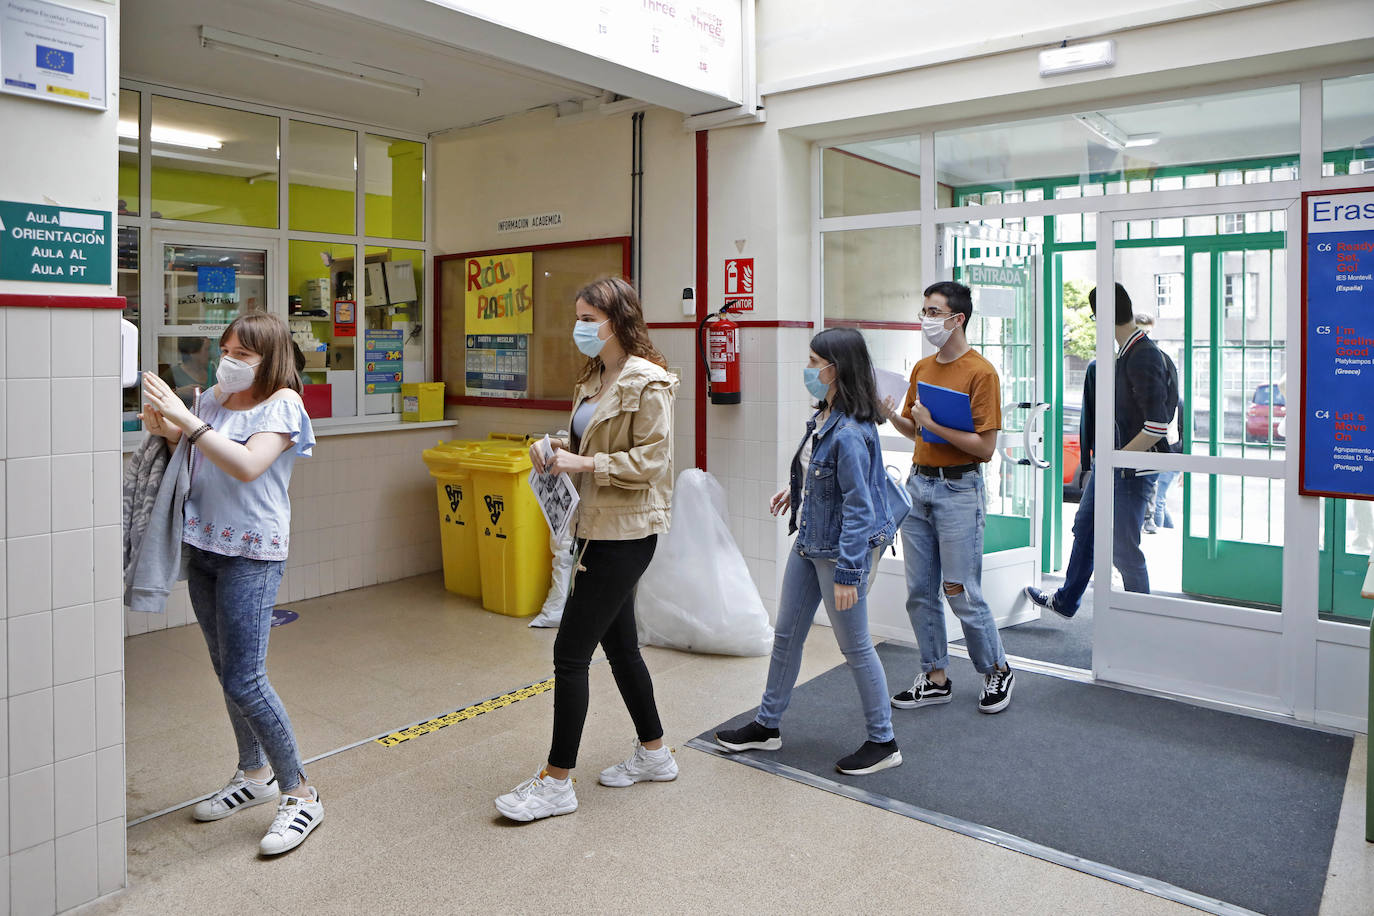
(204, 428)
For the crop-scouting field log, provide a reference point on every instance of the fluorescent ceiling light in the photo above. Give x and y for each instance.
(309, 61)
(1110, 133)
(172, 136)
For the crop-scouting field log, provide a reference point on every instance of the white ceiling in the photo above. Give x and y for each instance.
(160, 43)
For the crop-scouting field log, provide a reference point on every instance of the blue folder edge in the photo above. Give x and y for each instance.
(947, 407)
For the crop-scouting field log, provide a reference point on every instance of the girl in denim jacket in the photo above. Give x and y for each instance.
(838, 488)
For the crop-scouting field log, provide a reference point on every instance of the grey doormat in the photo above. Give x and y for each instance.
(1152, 793)
(1052, 638)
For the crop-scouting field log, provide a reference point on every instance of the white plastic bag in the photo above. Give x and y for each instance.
(552, 613)
(697, 594)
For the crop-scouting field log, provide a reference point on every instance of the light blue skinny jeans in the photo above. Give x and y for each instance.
(233, 598)
(806, 583)
(942, 541)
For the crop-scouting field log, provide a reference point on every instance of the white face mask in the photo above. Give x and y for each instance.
(935, 330)
(234, 376)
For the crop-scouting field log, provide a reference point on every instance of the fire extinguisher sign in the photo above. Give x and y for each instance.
(739, 284)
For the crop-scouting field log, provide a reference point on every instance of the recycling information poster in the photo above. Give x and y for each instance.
(1338, 345)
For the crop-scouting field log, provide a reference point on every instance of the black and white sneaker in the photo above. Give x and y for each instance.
(241, 792)
(996, 694)
(924, 693)
(752, 737)
(871, 758)
(1045, 600)
(296, 817)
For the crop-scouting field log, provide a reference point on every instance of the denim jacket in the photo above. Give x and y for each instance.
(845, 514)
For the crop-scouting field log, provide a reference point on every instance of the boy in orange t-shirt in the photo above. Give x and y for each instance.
(942, 537)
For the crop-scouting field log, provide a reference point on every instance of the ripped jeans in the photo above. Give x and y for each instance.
(942, 542)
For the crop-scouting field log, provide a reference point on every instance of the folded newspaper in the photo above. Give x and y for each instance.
(555, 493)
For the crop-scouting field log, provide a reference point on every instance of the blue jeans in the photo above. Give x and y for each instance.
(1132, 499)
(1161, 511)
(805, 584)
(942, 541)
(233, 598)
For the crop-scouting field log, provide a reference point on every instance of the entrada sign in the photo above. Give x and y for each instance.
(43, 244)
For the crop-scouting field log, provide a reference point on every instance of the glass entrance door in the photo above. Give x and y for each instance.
(205, 283)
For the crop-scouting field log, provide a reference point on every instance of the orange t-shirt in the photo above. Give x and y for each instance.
(971, 374)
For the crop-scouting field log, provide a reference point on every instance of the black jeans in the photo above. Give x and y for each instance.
(602, 610)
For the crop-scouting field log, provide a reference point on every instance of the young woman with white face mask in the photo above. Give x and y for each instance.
(246, 433)
(620, 454)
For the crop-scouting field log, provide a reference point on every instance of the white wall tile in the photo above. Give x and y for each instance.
(28, 509)
(107, 469)
(71, 347)
(107, 397)
(110, 852)
(73, 497)
(28, 417)
(73, 567)
(109, 559)
(73, 415)
(73, 643)
(77, 869)
(109, 710)
(106, 347)
(4, 748)
(27, 348)
(109, 783)
(28, 571)
(4, 834)
(33, 880)
(31, 808)
(74, 782)
(73, 713)
(30, 652)
(109, 636)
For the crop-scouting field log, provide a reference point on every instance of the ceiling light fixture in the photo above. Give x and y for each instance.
(1071, 58)
(172, 136)
(1110, 133)
(309, 61)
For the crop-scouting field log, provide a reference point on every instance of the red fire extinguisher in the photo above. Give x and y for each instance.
(720, 356)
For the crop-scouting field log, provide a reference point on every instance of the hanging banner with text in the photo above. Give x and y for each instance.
(499, 295)
(42, 244)
(1337, 457)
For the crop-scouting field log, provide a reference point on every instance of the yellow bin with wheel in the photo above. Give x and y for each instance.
(458, 532)
(513, 538)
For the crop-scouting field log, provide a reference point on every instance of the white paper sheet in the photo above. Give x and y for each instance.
(557, 496)
(891, 385)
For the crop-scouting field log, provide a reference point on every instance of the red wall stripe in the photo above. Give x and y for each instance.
(24, 301)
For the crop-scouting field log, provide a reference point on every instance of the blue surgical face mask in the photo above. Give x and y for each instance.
(587, 337)
(812, 377)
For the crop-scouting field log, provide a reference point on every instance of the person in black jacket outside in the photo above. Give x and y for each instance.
(1146, 400)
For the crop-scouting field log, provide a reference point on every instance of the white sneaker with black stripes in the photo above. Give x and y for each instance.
(241, 792)
(296, 817)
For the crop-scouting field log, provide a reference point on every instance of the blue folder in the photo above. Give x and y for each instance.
(947, 407)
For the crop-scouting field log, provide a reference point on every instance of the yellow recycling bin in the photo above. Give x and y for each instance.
(457, 516)
(513, 538)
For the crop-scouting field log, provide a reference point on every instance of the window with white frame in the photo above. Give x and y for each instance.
(339, 252)
(1169, 295)
(1240, 295)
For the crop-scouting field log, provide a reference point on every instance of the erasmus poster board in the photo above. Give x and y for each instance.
(53, 52)
(1336, 456)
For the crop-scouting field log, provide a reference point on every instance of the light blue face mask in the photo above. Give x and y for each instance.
(585, 335)
(812, 378)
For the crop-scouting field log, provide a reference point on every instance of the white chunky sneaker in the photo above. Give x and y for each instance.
(239, 793)
(642, 766)
(296, 817)
(542, 796)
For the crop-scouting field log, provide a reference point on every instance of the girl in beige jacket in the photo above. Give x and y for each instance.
(621, 452)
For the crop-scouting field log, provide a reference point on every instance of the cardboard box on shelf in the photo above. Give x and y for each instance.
(316, 359)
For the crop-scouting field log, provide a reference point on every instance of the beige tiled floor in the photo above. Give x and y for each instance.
(411, 828)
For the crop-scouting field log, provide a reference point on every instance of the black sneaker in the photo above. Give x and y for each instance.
(871, 758)
(1045, 600)
(752, 737)
(924, 693)
(996, 691)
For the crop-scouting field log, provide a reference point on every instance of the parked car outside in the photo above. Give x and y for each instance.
(1266, 408)
(1072, 455)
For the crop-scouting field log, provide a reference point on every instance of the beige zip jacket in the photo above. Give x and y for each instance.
(629, 495)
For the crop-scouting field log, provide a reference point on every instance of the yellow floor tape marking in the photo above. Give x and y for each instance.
(460, 715)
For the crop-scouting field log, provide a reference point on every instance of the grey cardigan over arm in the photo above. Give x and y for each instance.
(154, 489)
